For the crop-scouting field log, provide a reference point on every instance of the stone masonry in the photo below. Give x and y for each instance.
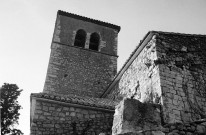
(160, 90)
(76, 77)
(182, 66)
(135, 118)
(63, 115)
(81, 71)
(168, 69)
(141, 78)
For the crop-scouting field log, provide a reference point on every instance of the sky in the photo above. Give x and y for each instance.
(26, 29)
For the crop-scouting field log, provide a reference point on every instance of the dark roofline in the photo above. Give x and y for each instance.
(60, 12)
(78, 101)
(178, 34)
(141, 45)
(75, 105)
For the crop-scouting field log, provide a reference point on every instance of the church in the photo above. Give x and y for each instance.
(162, 83)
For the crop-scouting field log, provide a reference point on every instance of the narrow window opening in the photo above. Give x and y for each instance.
(94, 41)
(80, 38)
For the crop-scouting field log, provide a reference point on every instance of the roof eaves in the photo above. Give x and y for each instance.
(178, 34)
(75, 16)
(85, 102)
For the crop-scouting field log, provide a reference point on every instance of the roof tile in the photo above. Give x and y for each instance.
(106, 24)
(87, 101)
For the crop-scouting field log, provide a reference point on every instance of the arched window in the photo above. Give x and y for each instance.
(94, 41)
(80, 38)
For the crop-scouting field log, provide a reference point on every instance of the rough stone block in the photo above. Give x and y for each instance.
(72, 114)
(71, 108)
(45, 108)
(92, 116)
(201, 129)
(131, 116)
(51, 108)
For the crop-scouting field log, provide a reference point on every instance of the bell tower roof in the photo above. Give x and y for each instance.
(75, 16)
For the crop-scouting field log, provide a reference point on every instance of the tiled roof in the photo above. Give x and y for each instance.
(177, 34)
(89, 20)
(74, 99)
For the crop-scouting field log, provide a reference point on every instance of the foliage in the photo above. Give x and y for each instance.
(9, 109)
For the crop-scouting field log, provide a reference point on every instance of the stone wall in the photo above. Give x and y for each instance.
(141, 80)
(192, 128)
(182, 65)
(76, 70)
(54, 118)
(67, 26)
(170, 70)
(135, 118)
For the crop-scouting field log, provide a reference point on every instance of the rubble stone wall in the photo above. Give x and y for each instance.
(141, 80)
(135, 118)
(182, 65)
(58, 119)
(76, 70)
(170, 70)
(192, 128)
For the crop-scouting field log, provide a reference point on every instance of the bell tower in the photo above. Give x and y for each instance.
(83, 59)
